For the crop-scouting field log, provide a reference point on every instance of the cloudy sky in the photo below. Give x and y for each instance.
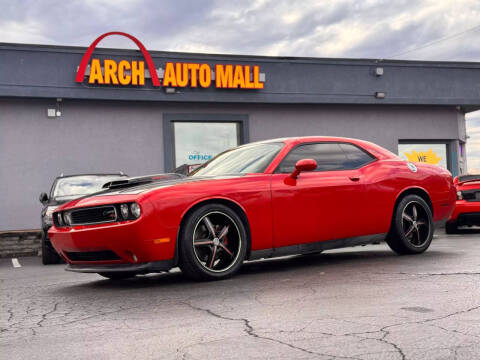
(401, 29)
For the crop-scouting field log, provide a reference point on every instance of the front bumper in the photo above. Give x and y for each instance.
(133, 243)
(466, 212)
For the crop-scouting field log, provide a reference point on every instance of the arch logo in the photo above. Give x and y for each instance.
(126, 72)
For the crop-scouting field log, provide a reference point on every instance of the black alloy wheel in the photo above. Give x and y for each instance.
(412, 226)
(212, 243)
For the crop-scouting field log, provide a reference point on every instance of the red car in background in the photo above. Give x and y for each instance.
(260, 200)
(467, 208)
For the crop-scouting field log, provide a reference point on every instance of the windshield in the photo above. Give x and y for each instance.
(241, 160)
(76, 186)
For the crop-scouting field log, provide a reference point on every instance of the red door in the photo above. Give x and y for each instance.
(328, 203)
(317, 206)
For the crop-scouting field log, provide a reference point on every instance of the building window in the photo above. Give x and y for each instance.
(430, 153)
(192, 139)
(198, 142)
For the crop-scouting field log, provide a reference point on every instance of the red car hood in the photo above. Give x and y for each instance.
(135, 192)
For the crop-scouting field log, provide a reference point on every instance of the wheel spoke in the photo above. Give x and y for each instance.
(209, 225)
(418, 236)
(407, 217)
(224, 232)
(414, 212)
(407, 234)
(421, 222)
(226, 249)
(212, 261)
(201, 242)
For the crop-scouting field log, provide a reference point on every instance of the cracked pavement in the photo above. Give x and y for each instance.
(357, 303)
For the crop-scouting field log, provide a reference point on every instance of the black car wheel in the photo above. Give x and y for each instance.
(49, 255)
(213, 243)
(412, 226)
(451, 228)
(117, 275)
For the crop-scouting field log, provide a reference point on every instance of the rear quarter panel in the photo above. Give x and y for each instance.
(386, 180)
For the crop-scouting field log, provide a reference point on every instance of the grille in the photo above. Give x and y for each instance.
(471, 195)
(105, 255)
(469, 219)
(95, 215)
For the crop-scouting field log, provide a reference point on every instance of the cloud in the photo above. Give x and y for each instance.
(328, 28)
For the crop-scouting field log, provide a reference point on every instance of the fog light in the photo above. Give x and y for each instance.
(135, 209)
(459, 195)
(124, 211)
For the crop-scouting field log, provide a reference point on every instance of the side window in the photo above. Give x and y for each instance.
(355, 157)
(329, 156)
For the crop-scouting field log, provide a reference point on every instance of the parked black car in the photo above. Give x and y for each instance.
(64, 189)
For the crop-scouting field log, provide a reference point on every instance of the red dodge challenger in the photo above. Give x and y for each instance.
(260, 200)
(467, 208)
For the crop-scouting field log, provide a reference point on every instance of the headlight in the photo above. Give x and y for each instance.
(135, 209)
(459, 195)
(47, 217)
(60, 219)
(124, 211)
(67, 217)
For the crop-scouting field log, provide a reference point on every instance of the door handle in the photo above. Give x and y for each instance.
(354, 178)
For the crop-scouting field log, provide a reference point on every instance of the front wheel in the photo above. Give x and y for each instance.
(412, 226)
(213, 243)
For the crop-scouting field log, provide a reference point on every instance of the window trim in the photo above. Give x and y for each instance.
(374, 158)
(169, 134)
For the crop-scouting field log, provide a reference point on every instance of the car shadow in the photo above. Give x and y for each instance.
(261, 271)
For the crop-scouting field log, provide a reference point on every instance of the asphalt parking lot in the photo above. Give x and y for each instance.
(359, 303)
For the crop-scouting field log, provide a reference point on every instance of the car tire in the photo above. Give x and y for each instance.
(49, 255)
(213, 243)
(451, 228)
(412, 227)
(117, 275)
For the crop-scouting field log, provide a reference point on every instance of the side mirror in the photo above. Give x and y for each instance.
(303, 165)
(43, 198)
(455, 180)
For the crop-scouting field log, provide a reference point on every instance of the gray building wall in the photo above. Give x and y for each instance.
(109, 136)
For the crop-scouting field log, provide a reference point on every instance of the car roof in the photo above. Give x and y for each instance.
(375, 149)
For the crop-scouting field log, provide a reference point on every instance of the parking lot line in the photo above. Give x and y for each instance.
(16, 263)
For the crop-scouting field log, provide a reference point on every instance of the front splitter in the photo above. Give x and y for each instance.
(143, 268)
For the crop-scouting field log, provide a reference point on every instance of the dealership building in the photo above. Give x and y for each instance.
(68, 110)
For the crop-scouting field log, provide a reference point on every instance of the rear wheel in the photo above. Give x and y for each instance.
(213, 243)
(412, 226)
(117, 275)
(451, 228)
